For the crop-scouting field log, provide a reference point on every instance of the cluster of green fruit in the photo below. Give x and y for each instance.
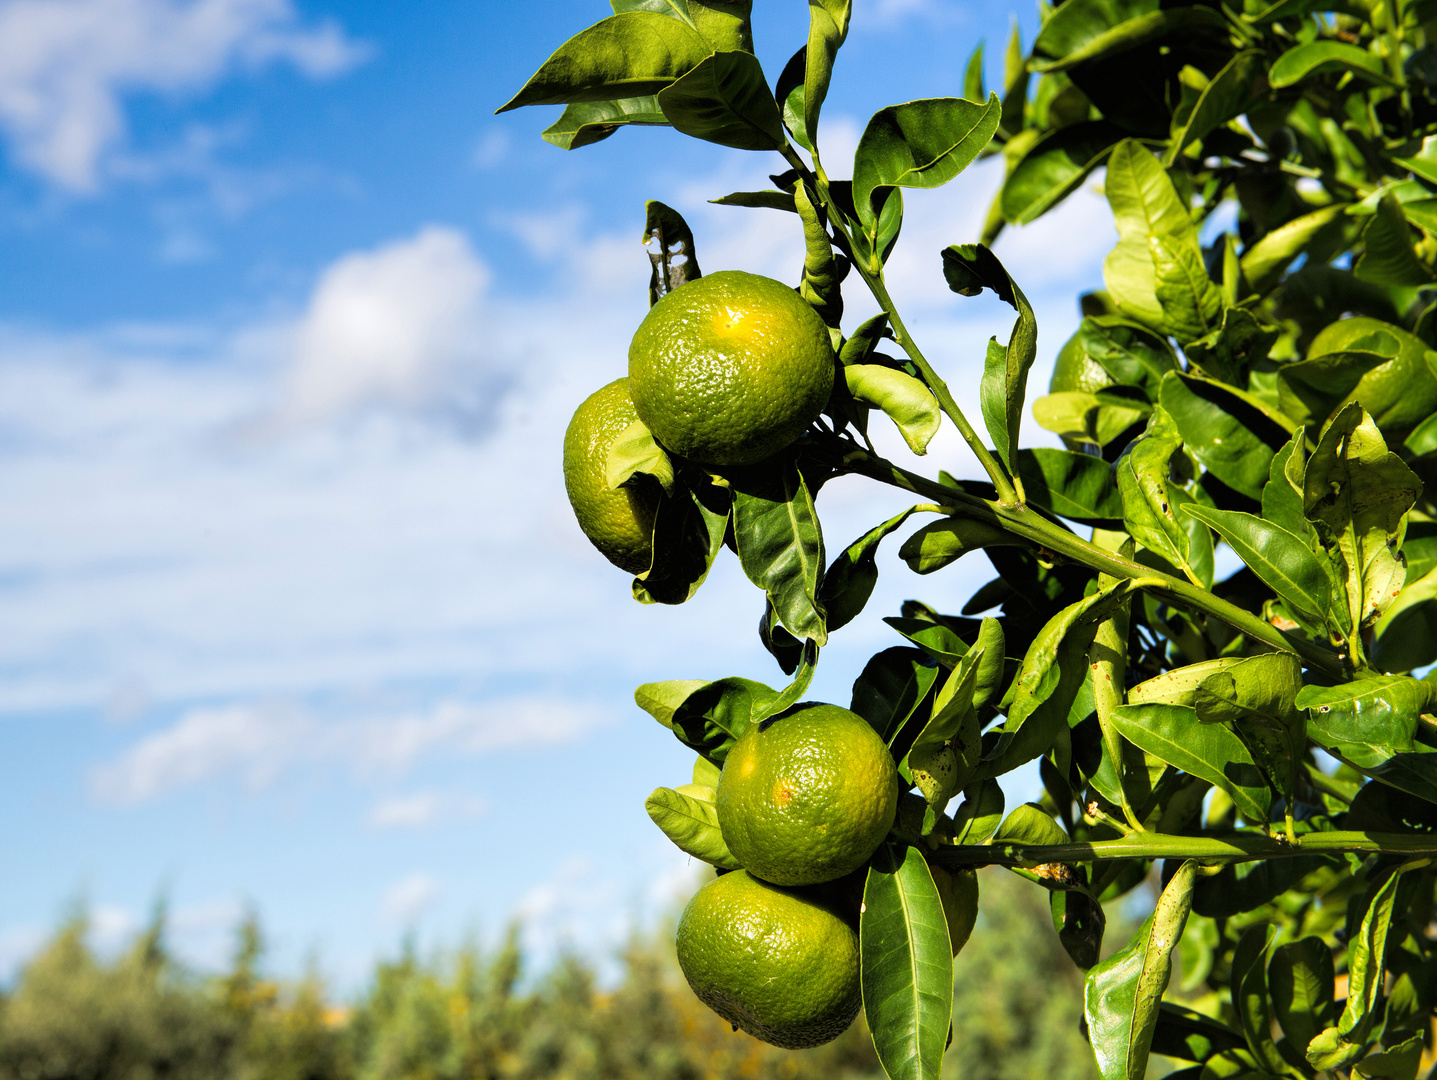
(724, 372)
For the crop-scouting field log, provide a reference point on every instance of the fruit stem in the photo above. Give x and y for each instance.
(1026, 522)
(1234, 847)
(1007, 494)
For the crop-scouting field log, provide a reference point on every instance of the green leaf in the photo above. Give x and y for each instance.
(672, 254)
(822, 273)
(1150, 499)
(1209, 751)
(1264, 262)
(1379, 710)
(1121, 994)
(1079, 487)
(765, 200)
(850, 578)
(1380, 366)
(1029, 823)
(1052, 673)
(705, 716)
(1250, 995)
(588, 122)
(1080, 921)
(891, 687)
(935, 546)
(635, 451)
(920, 144)
(1322, 57)
(1357, 493)
(780, 545)
(688, 532)
(1281, 559)
(1300, 980)
(1094, 29)
(1178, 686)
(1257, 696)
(1406, 635)
(1340, 1045)
(936, 639)
(979, 815)
(904, 400)
(944, 754)
(827, 28)
(724, 24)
(1156, 272)
(725, 99)
(689, 818)
(1131, 354)
(1053, 168)
(906, 965)
(1240, 82)
(969, 269)
(1388, 257)
(624, 56)
(1182, 1033)
(1229, 431)
(1396, 1062)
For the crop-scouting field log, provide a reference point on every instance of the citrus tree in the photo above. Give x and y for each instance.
(1261, 742)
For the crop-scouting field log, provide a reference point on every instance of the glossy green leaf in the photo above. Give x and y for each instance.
(827, 28)
(1382, 367)
(1121, 994)
(1322, 57)
(920, 144)
(1029, 823)
(635, 451)
(935, 546)
(1052, 673)
(1343, 1043)
(1388, 257)
(1131, 354)
(780, 545)
(979, 815)
(1079, 487)
(1054, 167)
(1209, 751)
(1156, 272)
(725, 99)
(1231, 433)
(1149, 498)
(1379, 710)
(1264, 262)
(902, 398)
(1281, 559)
(1300, 980)
(1178, 686)
(934, 638)
(891, 687)
(587, 122)
(1229, 94)
(1191, 1036)
(689, 818)
(765, 200)
(906, 965)
(724, 24)
(1358, 492)
(1257, 696)
(624, 56)
(849, 580)
(969, 269)
(944, 754)
(1399, 1061)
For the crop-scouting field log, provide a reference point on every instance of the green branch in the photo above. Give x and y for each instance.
(1235, 847)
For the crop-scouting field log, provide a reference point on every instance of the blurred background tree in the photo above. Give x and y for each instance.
(471, 1014)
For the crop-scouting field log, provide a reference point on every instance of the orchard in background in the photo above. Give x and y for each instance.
(1263, 737)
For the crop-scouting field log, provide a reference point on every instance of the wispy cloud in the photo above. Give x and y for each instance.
(66, 66)
(256, 743)
(424, 808)
(409, 898)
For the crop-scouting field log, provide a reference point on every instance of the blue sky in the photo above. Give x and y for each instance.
(294, 611)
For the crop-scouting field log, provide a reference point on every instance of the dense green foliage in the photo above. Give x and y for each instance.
(1257, 372)
(467, 1014)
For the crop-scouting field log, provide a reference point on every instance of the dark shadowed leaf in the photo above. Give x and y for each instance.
(587, 122)
(780, 544)
(1075, 486)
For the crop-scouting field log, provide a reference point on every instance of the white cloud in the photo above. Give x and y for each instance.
(65, 66)
(396, 325)
(258, 742)
(409, 898)
(424, 808)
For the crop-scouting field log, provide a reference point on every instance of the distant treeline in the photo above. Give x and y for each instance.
(467, 1015)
